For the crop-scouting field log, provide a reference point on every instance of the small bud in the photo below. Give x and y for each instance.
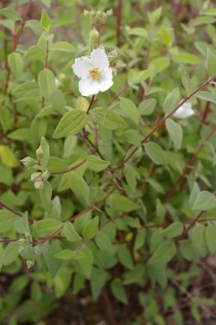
(30, 263)
(37, 249)
(28, 162)
(36, 176)
(92, 13)
(22, 241)
(109, 12)
(112, 54)
(62, 77)
(94, 35)
(99, 14)
(45, 175)
(58, 83)
(118, 65)
(86, 13)
(21, 249)
(39, 184)
(39, 153)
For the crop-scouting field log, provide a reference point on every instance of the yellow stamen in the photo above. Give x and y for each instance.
(95, 74)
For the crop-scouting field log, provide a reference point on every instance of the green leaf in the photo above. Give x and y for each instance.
(194, 193)
(118, 291)
(7, 156)
(163, 254)
(186, 58)
(155, 15)
(45, 196)
(140, 239)
(147, 106)
(155, 153)
(172, 101)
(45, 20)
(96, 164)
(166, 36)
(122, 203)
(188, 251)
(47, 227)
(7, 220)
(186, 80)
(68, 254)
(174, 230)
(62, 47)
(138, 31)
(57, 165)
(70, 232)
(124, 256)
(211, 63)
(58, 102)
(1, 256)
(104, 243)
(10, 253)
(157, 186)
(205, 201)
(130, 175)
(28, 89)
(21, 134)
(132, 137)
(45, 158)
(210, 237)
(110, 121)
(35, 53)
(71, 123)
(130, 109)
(175, 132)
(104, 98)
(206, 96)
(10, 13)
(137, 77)
(86, 262)
(46, 81)
(135, 275)
(15, 62)
(90, 228)
(198, 237)
(79, 186)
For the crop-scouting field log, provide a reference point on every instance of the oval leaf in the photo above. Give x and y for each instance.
(71, 123)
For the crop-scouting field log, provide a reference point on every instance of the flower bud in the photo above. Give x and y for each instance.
(22, 242)
(45, 175)
(36, 176)
(28, 162)
(62, 77)
(30, 263)
(58, 83)
(112, 54)
(37, 249)
(86, 13)
(38, 185)
(94, 35)
(39, 153)
(109, 12)
(119, 65)
(21, 249)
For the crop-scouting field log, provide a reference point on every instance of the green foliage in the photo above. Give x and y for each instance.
(109, 189)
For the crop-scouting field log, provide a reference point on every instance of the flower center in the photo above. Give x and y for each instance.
(95, 74)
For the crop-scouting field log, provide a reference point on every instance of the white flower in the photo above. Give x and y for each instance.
(184, 111)
(95, 73)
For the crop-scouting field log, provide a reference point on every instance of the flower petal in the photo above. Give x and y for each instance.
(106, 80)
(89, 87)
(184, 111)
(99, 59)
(82, 66)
